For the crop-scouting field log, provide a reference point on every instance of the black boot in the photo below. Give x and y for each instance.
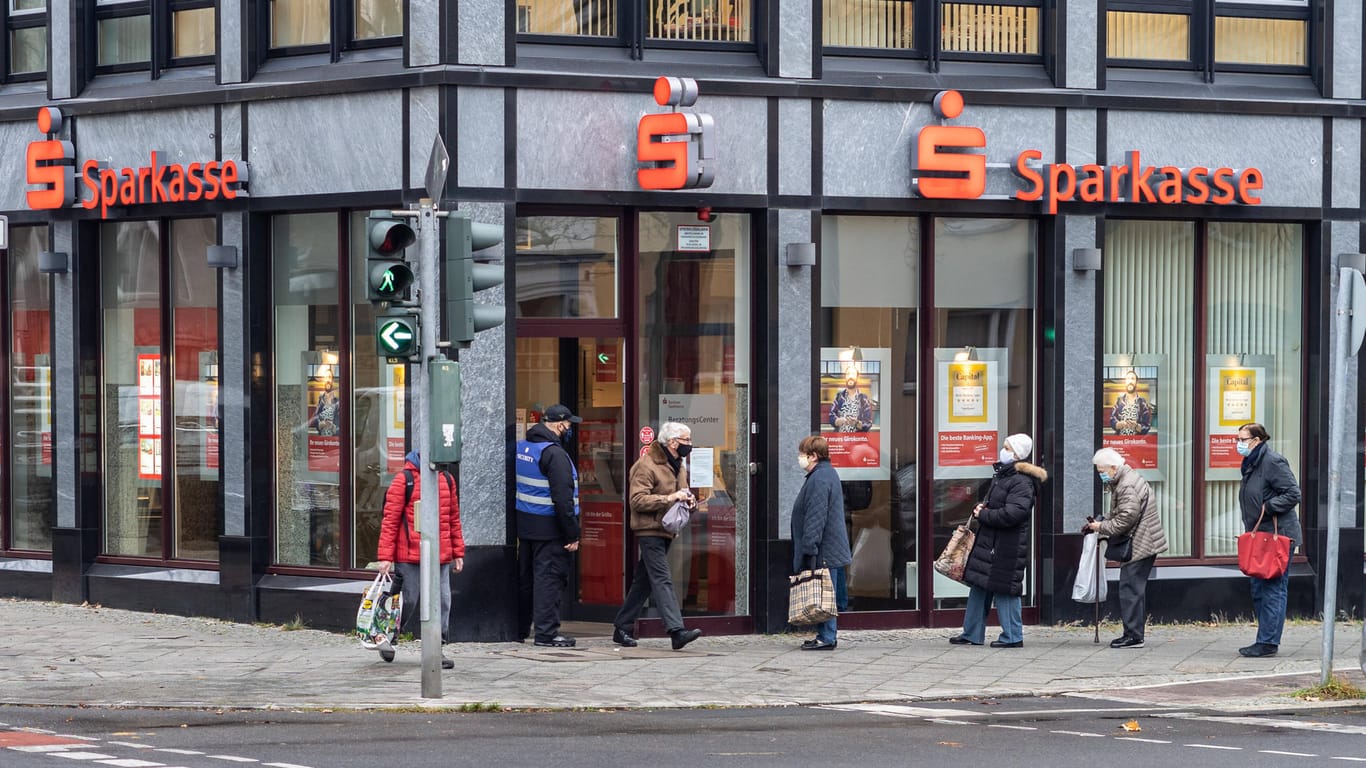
(682, 637)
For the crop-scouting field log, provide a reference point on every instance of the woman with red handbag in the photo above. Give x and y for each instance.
(1267, 484)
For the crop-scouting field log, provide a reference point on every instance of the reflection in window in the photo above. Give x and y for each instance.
(979, 28)
(193, 33)
(308, 389)
(195, 394)
(130, 264)
(1240, 40)
(32, 507)
(700, 20)
(869, 23)
(378, 18)
(125, 40)
(566, 266)
(593, 18)
(300, 22)
(28, 50)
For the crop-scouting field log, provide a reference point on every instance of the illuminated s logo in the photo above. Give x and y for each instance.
(51, 165)
(678, 149)
(945, 167)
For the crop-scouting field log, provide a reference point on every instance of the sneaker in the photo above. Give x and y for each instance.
(1126, 642)
(558, 641)
(1257, 650)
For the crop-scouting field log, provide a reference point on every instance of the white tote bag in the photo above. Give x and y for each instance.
(1090, 586)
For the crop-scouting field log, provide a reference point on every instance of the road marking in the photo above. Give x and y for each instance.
(1013, 727)
(292, 765)
(177, 751)
(901, 710)
(1352, 759)
(1287, 754)
(234, 758)
(131, 744)
(80, 738)
(1299, 725)
(83, 755)
(1214, 746)
(947, 721)
(1145, 741)
(1080, 733)
(128, 762)
(40, 748)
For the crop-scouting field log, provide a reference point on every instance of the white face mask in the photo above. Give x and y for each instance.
(1006, 456)
(804, 461)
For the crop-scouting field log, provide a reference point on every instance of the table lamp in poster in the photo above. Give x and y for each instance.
(1236, 397)
(855, 393)
(969, 433)
(1129, 410)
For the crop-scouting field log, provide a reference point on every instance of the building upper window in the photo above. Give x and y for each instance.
(654, 24)
(1249, 36)
(153, 34)
(935, 29)
(26, 26)
(312, 26)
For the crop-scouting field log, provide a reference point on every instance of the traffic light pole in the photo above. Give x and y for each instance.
(429, 508)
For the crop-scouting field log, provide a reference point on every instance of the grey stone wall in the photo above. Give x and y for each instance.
(795, 365)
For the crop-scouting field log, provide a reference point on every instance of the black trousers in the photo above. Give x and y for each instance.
(653, 580)
(1133, 588)
(542, 575)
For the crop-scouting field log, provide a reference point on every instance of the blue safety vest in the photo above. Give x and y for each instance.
(533, 488)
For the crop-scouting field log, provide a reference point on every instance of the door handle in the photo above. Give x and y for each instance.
(754, 468)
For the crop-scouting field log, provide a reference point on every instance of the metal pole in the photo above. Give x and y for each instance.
(1336, 450)
(429, 510)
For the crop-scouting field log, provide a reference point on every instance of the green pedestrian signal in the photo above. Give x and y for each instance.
(397, 335)
(388, 276)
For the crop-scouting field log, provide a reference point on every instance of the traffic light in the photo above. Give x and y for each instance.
(387, 274)
(398, 335)
(464, 277)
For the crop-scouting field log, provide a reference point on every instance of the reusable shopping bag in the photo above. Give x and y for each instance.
(811, 599)
(380, 612)
(1263, 555)
(1090, 585)
(954, 559)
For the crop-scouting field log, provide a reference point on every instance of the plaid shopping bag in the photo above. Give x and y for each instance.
(811, 599)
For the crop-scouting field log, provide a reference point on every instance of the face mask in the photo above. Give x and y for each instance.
(1105, 477)
(1006, 456)
(804, 462)
(683, 450)
(1244, 449)
(567, 435)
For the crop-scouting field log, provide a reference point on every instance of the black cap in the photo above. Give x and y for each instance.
(559, 412)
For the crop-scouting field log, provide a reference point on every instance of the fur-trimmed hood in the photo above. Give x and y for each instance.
(1033, 470)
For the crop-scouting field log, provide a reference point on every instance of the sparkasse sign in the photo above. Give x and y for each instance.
(948, 168)
(49, 168)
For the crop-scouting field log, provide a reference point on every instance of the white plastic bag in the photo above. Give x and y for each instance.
(381, 610)
(1090, 586)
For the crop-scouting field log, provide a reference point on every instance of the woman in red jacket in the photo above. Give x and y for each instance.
(399, 542)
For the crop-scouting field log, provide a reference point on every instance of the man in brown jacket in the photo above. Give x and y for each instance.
(658, 479)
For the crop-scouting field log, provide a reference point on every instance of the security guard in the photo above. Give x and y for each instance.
(547, 524)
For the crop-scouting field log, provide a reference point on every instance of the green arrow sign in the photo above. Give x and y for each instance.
(396, 337)
(603, 358)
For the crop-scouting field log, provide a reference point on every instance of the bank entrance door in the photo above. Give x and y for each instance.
(634, 319)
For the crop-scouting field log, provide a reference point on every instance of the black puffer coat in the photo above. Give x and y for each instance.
(1001, 553)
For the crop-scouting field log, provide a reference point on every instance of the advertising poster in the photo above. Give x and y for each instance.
(1129, 410)
(1237, 392)
(968, 413)
(204, 407)
(149, 416)
(394, 415)
(854, 394)
(322, 403)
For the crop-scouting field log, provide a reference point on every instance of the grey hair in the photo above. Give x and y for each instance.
(672, 430)
(1107, 457)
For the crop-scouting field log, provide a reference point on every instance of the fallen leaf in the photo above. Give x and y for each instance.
(1131, 726)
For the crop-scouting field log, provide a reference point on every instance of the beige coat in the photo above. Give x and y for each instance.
(651, 482)
(1129, 514)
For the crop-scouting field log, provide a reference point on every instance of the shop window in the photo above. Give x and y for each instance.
(1253, 35)
(321, 26)
(566, 267)
(1187, 396)
(32, 507)
(656, 23)
(26, 22)
(1005, 29)
(160, 390)
(153, 34)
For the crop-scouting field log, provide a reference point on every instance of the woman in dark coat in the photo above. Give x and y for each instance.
(996, 566)
(819, 536)
(1267, 483)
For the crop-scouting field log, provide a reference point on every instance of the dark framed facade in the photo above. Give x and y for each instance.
(710, 24)
(153, 35)
(936, 30)
(300, 27)
(24, 56)
(1267, 36)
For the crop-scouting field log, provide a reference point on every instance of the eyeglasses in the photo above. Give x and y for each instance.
(1242, 439)
(687, 440)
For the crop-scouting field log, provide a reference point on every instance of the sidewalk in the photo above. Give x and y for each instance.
(71, 655)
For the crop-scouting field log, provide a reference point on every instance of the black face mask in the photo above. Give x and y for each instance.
(683, 450)
(567, 436)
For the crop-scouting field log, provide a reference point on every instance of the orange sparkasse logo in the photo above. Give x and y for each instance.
(51, 163)
(948, 168)
(677, 149)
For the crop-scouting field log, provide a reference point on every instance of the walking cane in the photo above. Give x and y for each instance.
(1100, 574)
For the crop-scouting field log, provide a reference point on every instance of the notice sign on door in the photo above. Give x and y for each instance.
(694, 238)
(968, 413)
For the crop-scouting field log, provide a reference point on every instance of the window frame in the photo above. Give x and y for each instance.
(632, 20)
(16, 20)
(1203, 17)
(341, 33)
(168, 33)
(927, 31)
(161, 28)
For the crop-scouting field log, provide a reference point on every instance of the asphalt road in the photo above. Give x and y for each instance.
(1055, 733)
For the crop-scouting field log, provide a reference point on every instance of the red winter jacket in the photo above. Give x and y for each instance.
(405, 546)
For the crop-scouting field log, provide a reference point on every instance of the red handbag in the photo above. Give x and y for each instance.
(1263, 555)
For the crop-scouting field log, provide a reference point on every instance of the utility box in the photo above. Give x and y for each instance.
(444, 413)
